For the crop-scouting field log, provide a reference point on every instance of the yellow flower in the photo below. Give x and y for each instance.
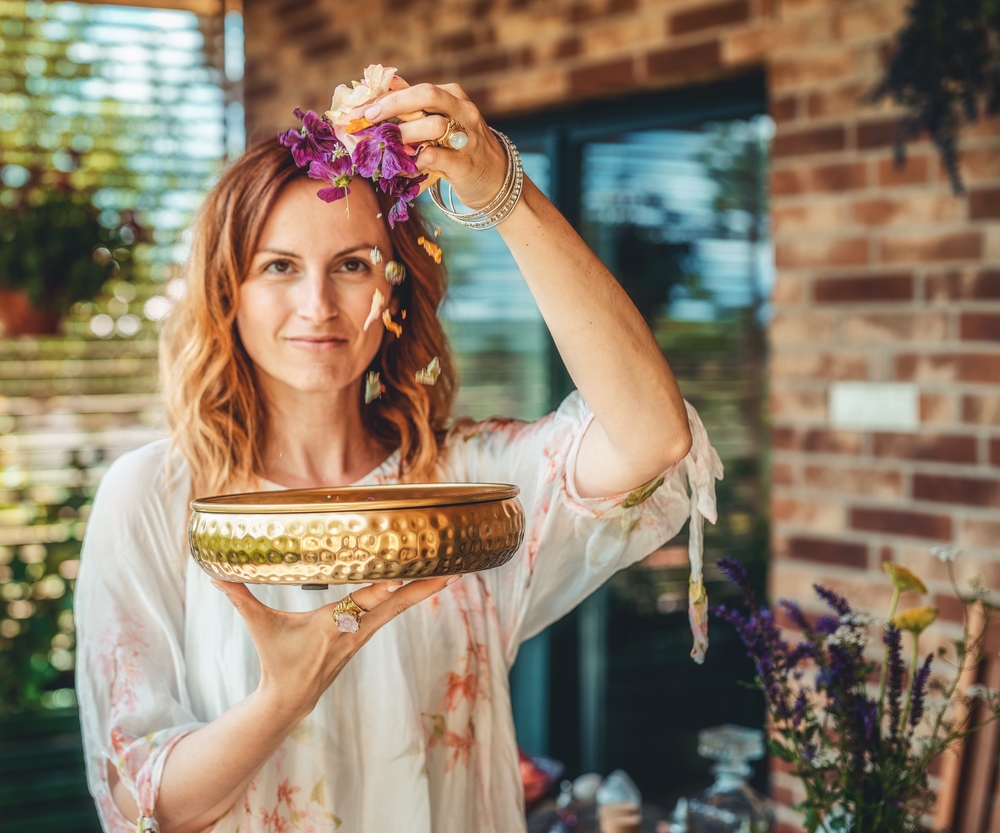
(916, 619)
(903, 579)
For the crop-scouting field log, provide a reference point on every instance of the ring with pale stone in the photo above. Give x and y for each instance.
(455, 136)
(347, 614)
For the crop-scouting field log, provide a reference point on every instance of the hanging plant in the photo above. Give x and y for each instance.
(944, 70)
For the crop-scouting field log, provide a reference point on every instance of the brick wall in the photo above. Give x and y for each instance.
(883, 274)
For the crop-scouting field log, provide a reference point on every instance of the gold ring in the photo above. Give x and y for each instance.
(455, 136)
(347, 614)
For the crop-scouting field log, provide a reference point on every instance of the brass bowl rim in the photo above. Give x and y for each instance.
(400, 496)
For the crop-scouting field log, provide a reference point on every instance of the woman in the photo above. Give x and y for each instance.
(212, 705)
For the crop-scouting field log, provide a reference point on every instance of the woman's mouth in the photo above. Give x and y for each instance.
(317, 343)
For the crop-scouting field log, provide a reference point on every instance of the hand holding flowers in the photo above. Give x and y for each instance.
(384, 130)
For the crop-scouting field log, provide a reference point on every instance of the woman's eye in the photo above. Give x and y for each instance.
(278, 267)
(354, 266)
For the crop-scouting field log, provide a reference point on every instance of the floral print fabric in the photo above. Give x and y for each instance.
(416, 733)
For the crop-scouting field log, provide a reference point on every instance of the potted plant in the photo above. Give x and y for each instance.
(53, 252)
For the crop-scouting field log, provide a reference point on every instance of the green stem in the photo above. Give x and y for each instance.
(885, 661)
(913, 674)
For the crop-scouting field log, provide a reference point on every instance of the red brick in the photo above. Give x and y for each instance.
(568, 47)
(456, 41)
(784, 109)
(898, 522)
(984, 204)
(995, 452)
(709, 16)
(945, 367)
(838, 177)
(804, 252)
(817, 440)
(782, 474)
(815, 140)
(326, 46)
(863, 289)
(829, 552)
(876, 134)
(981, 410)
(969, 491)
(684, 59)
(602, 78)
(909, 209)
(942, 448)
(913, 171)
(484, 65)
(923, 248)
(936, 408)
(961, 286)
(981, 326)
(981, 533)
(949, 608)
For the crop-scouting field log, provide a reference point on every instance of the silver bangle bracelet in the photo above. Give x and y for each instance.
(500, 206)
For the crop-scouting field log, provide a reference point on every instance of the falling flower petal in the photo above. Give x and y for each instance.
(432, 248)
(375, 256)
(391, 325)
(357, 125)
(378, 216)
(395, 272)
(429, 375)
(404, 314)
(903, 579)
(437, 231)
(377, 300)
(373, 387)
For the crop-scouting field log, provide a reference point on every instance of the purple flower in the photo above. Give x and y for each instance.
(405, 189)
(799, 710)
(380, 153)
(834, 600)
(893, 638)
(737, 574)
(315, 139)
(795, 615)
(919, 690)
(826, 625)
(335, 168)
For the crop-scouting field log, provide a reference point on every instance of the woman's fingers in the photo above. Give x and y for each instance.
(244, 601)
(406, 597)
(426, 129)
(370, 597)
(427, 97)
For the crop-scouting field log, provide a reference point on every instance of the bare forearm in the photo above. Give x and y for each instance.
(207, 771)
(607, 347)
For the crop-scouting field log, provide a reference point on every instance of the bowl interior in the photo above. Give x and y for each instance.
(357, 498)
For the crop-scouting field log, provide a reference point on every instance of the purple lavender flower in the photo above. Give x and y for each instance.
(795, 615)
(799, 710)
(834, 600)
(826, 625)
(380, 153)
(737, 574)
(919, 690)
(893, 638)
(315, 139)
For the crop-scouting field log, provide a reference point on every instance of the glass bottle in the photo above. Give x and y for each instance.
(730, 805)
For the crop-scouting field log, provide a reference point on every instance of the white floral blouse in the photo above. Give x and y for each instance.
(416, 733)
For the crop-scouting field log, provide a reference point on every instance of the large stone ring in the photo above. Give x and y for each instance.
(455, 136)
(347, 614)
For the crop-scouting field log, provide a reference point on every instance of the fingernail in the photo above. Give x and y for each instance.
(220, 586)
(452, 580)
(373, 111)
(392, 588)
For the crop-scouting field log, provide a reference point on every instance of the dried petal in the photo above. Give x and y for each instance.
(391, 325)
(432, 248)
(373, 387)
(378, 299)
(378, 216)
(916, 619)
(429, 375)
(375, 256)
(395, 272)
(903, 579)
(437, 231)
(357, 125)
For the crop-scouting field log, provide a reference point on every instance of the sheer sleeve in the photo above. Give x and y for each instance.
(129, 614)
(573, 544)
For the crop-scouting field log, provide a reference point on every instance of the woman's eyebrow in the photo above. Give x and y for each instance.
(361, 247)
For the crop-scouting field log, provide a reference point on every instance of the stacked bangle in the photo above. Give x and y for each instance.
(500, 206)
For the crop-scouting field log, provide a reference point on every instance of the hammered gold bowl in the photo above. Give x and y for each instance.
(316, 537)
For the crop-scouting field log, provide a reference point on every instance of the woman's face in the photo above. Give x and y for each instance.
(303, 305)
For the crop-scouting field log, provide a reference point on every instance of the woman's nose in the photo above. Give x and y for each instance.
(317, 301)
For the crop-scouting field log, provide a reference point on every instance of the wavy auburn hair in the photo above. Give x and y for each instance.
(214, 411)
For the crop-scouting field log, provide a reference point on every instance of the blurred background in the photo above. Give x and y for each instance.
(834, 317)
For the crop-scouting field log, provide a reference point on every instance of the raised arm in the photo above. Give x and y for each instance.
(640, 424)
